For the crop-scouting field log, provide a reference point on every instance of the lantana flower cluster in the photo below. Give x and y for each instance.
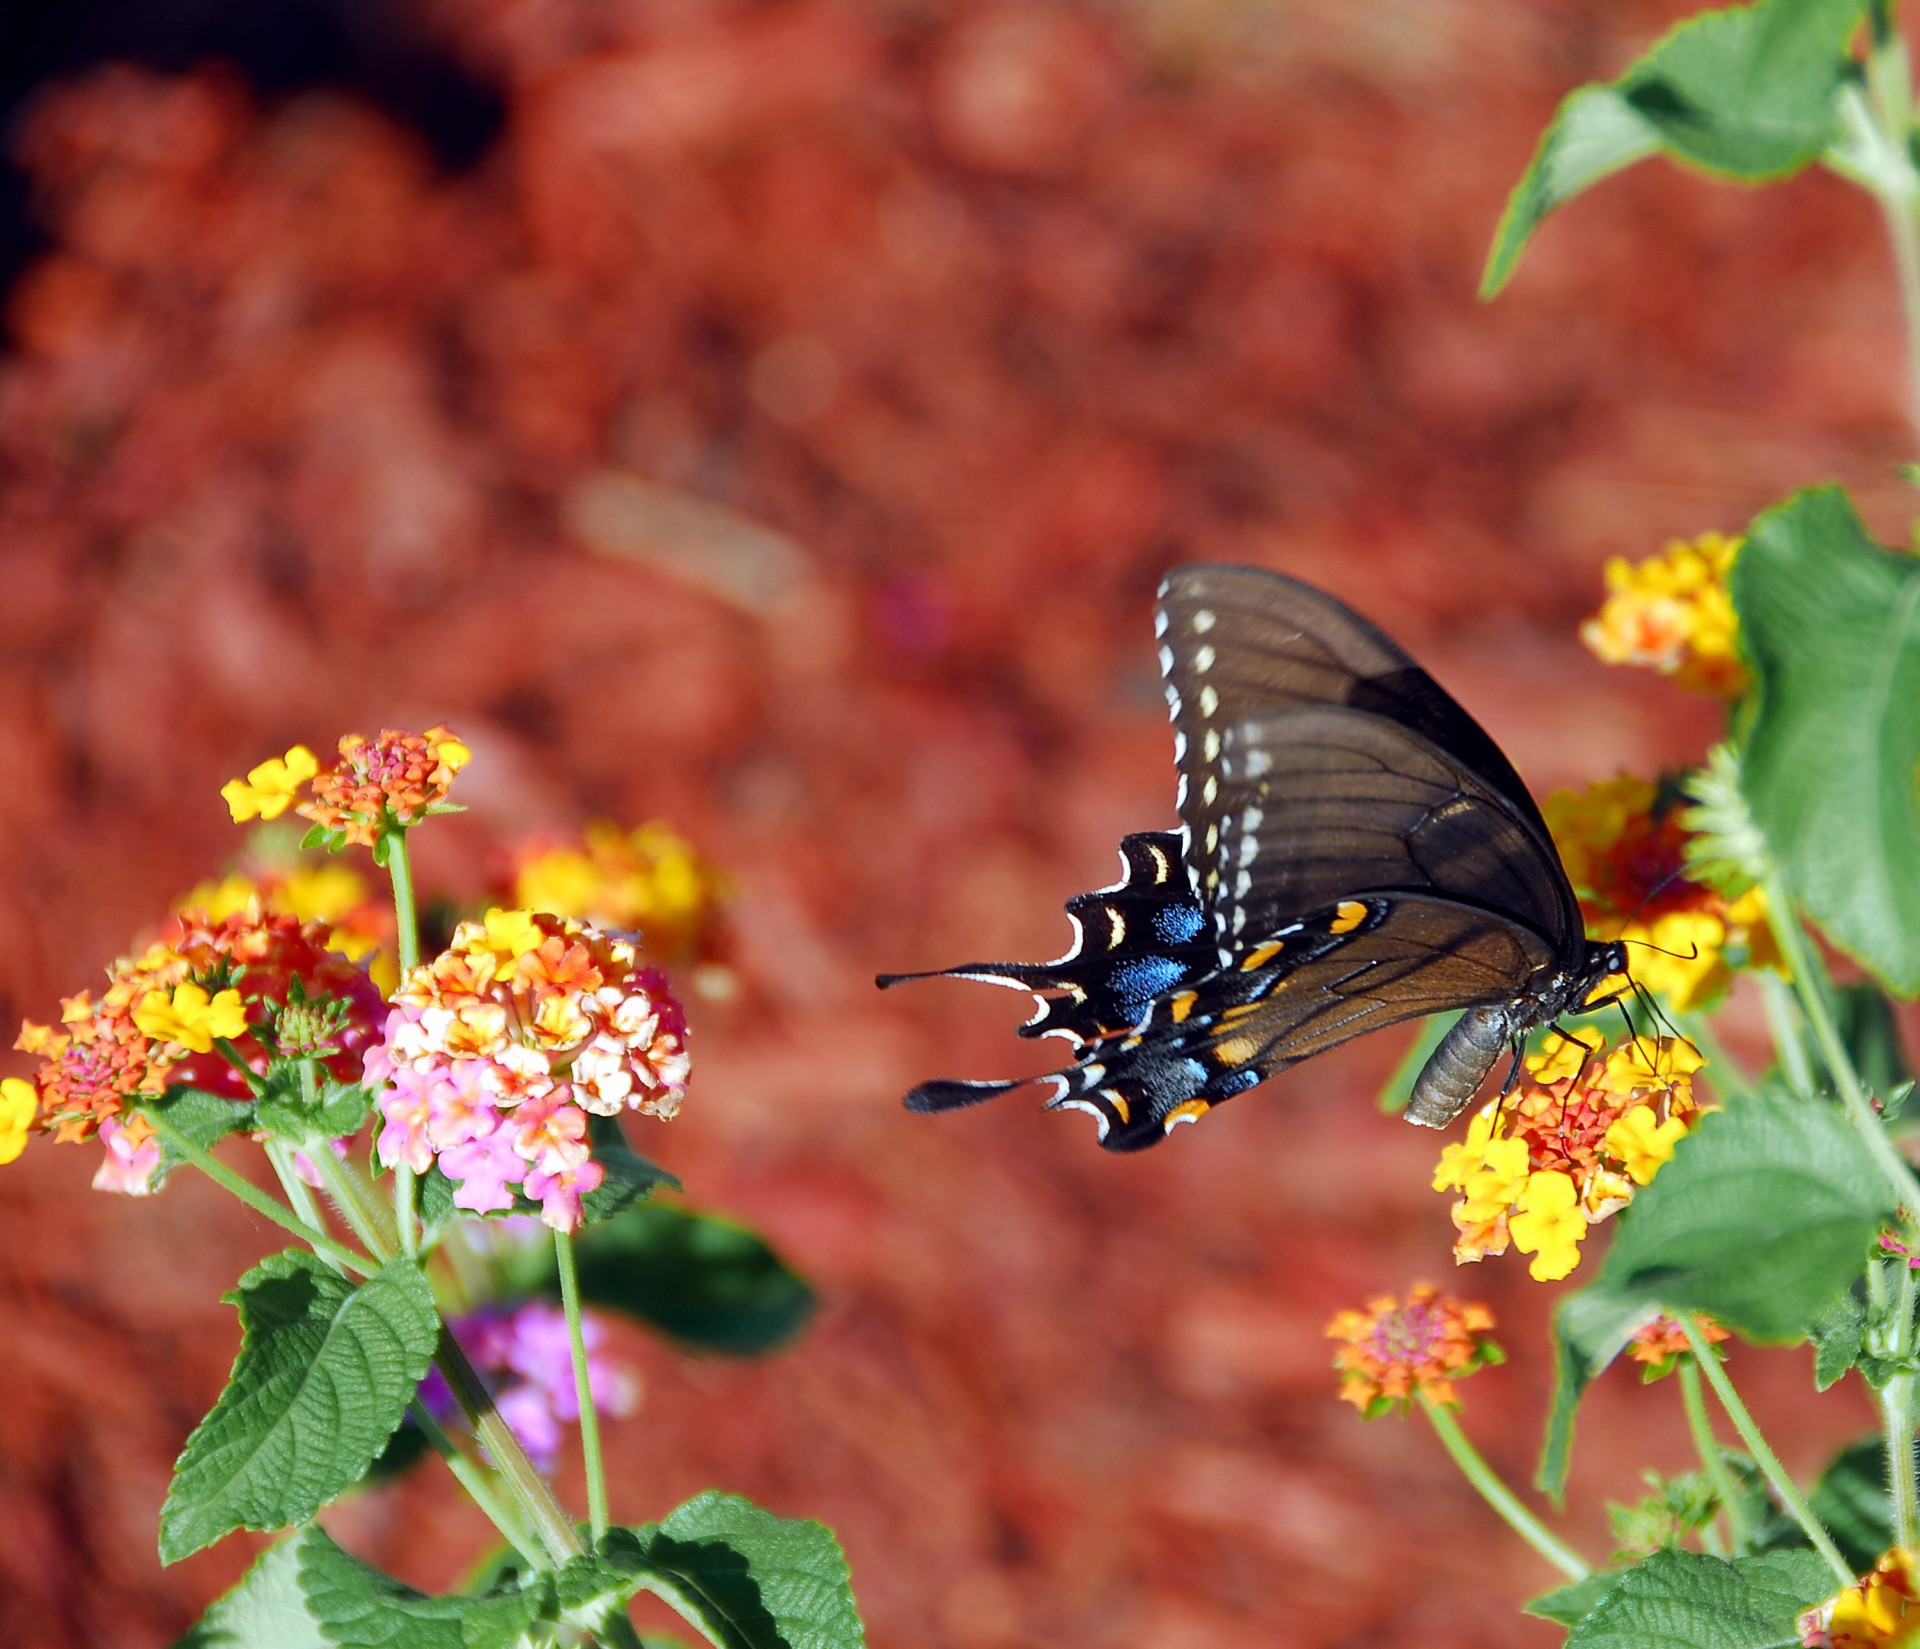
(1394, 1350)
(359, 924)
(498, 1050)
(1661, 1343)
(1672, 613)
(1567, 1149)
(228, 981)
(523, 1353)
(648, 878)
(377, 785)
(1625, 852)
(1881, 1610)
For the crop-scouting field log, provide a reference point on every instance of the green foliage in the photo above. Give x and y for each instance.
(1673, 1508)
(1748, 93)
(1831, 627)
(1590, 1329)
(1837, 1335)
(747, 1579)
(1567, 1605)
(358, 1607)
(203, 1118)
(1764, 1215)
(711, 1284)
(266, 1607)
(1851, 1502)
(630, 1177)
(325, 1371)
(1685, 1598)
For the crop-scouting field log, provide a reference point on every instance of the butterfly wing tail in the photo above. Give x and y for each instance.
(937, 1095)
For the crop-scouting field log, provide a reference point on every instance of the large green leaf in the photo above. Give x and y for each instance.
(1749, 92)
(204, 1118)
(1766, 1212)
(1852, 1504)
(266, 1607)
(325, 1371)
(1831, 626)
(1568, 1605)
(745, 1578)
(1590, 1329)
(361, 1608)
(1684, 1600)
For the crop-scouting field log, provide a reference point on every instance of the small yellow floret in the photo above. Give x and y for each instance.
(18, 1106)
(1643, 1143)
(1549, 1225)
(190, 1018)
(268, 790)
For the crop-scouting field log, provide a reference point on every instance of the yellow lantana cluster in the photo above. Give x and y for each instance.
(1671, 613)
(1568, 1149)
(649, 879)
(1881, 1610)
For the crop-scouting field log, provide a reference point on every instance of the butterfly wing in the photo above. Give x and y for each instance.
(1334, 974)
(1318, 760)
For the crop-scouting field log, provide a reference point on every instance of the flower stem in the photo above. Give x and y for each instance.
(406, 940)
(1712, 1456)
(1764, 1457)
(1784, 1027)
(1497, 1495)
(1890, 99)
(256, 1199)
(1896, 1413)
(582, 1386)
(1809, 986)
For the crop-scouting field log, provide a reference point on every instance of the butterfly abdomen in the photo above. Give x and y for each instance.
(1450, 1078)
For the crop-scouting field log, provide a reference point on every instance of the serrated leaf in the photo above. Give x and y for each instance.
(708, 1282)
(361, 1608)
(1567, 1605)
(204, 1118)
(1749, 92)
(267, 1607)
(1590, 1329)
(1830, 624)
(1837, 1334)
(1690, 1601)
(745, 1578)
(325, 1371)
(1851, 1502)
(1765, 1213)
(630, 1177)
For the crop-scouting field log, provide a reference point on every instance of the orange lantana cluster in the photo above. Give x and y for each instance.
(1392, 1351)
(1567, 1149)
(1672, 613)
(1625, 852)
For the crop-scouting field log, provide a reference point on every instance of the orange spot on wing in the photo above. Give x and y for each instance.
(1347, 915)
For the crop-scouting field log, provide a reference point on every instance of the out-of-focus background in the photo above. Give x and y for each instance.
(773, 418)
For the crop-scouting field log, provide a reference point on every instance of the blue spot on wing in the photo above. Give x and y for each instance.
(1145, 977)
(1175, 924)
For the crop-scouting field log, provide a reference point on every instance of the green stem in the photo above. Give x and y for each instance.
(1497, 1495)
(589, 1416)
(1783, 1025)
(1896, 1412)
(258, 1200)
(1763, 1455)
(471, 1478)
(1712, 1456)
(406, 940)
(1807, 985)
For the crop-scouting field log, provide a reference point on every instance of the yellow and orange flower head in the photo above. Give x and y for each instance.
(1568, 1149)
(1881, 1610)
(157, 1023)
(1671, 613)
(328, 893)
(383, 784)
(648, 879)
(1663, 1342)
(1393, 1350)
(1625, 850)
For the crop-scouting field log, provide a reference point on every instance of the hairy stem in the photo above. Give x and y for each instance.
(1497, 1495)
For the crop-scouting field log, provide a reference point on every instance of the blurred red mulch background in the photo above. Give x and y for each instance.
(779, 429)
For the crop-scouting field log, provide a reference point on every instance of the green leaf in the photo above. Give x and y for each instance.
(324, 1374)
(1568, 1605)
(1851, 1501)
(361, 1608)
(1749, 93)
(1831, 626)
(1837, 1335)
(630, 1177)
(337, 1109)
(267, 1607)
(1764, 1215)
(747, 1579)
(204, 1118)
(1395, 1090)
(1691, 1601)
(708, 1282)
(1590, 1329)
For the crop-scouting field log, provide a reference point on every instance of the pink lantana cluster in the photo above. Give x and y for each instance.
(498, 1049)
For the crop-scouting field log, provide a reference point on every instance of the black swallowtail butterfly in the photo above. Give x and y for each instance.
(1354, 850)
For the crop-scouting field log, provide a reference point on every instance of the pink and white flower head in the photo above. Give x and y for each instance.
(496, 1050)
